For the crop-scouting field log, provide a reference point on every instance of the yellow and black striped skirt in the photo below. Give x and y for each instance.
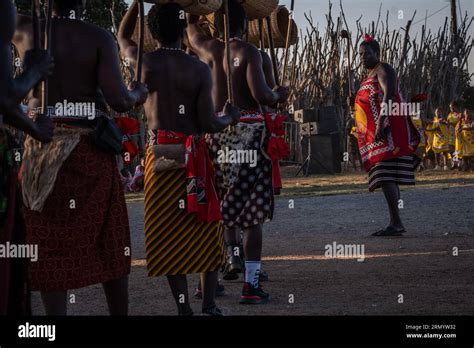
(176, 243)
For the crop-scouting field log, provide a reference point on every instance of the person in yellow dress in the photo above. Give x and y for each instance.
(465, 140)
(429, 155)
(420, 127)
(454, 117)
(439, 132)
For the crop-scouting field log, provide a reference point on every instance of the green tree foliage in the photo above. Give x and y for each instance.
(97, 12)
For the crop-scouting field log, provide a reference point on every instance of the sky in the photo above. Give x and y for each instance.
(369, 10)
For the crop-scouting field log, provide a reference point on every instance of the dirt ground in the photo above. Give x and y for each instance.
(421, 266)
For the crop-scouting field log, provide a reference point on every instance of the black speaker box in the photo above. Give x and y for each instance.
(326, 156)
(327, 120)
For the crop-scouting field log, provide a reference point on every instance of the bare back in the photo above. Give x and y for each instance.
(87, 65)
(242, 55)
(175, 82)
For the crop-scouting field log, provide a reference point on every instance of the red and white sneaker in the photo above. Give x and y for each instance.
(251, 295)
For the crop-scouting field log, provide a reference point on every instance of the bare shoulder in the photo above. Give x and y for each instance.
(386, 69)
(201, 68)
(251, 51)
(97, 33)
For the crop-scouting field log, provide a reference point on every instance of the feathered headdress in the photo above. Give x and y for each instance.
(368, 38)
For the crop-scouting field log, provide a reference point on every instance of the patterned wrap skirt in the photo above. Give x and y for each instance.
(176, 243)
(83, 230)
(245, 189)
(399, 170)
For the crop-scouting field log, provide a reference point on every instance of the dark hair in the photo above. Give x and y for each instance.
(167, 22)
(63, 6)
(373, 45)
(237, 18)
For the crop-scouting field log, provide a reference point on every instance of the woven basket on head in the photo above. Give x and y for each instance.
(258, 9)
(279, 21)
(149, 44)
(195, 7)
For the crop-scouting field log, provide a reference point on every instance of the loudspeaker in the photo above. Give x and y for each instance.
(306, 115)
(308, 128)
(327, 120)
(321, 121)
(326, 156)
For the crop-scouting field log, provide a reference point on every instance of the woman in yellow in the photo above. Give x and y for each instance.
(421, 151)
(439, 132)
(465, 139)
(454, 117)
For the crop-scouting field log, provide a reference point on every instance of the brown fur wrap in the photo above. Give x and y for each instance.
(42, 162)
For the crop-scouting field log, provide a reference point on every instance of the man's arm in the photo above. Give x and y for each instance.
(38, 66)
(7, 28)
(128, 47)
(208, 121)
(111, 81)
(268, 70)
(42, 129)
(388, 83)
(258, 84)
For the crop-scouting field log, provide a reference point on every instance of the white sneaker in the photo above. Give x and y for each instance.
(445, 168)
(437, 168)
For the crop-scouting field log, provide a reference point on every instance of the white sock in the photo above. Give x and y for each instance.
(252, 273)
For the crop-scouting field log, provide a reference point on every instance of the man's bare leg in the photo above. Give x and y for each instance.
(234, 263)
(116, 292)
(392, 196)
(179, 288)
(252, 292)
(253, 243)
(209, 285)
(55, 303)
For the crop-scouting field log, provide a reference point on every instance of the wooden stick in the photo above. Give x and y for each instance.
(141, 26)
(272, 51)
(227, 49)
(260, 34)
(47, 47)
(288, 36)
(35, 11)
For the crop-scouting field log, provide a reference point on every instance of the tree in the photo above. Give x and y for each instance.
(98, 12)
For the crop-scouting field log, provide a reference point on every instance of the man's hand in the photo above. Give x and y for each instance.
(41, 60)
(283, 93)
(233, 112)
(379, 133)
(44, 129)
(140, 90)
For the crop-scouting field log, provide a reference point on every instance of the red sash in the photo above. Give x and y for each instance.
(201, 193)
(277, 147)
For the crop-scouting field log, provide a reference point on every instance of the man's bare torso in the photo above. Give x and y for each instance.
(76, 47)
(215, 57)
(174, 80)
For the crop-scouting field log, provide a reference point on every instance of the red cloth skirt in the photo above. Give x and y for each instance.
(83, 232)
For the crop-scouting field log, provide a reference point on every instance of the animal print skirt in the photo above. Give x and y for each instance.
(243, 174)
